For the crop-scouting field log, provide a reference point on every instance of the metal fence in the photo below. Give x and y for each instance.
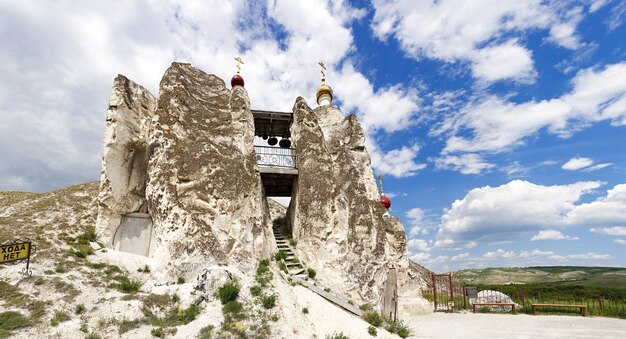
(275, 156)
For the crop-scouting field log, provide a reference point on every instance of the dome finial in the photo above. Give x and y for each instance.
(324, 93)
(383, 199)
(237, 80)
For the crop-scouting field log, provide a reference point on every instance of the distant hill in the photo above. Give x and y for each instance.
(602, 277)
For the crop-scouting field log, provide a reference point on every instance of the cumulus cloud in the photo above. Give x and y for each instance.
(551, 235)
(414, 245)
(518, 207)
(498, 125)
(620, 241)
(66, 55)
(436, 30)
(400, 162)
(416, 220)
(469, 163)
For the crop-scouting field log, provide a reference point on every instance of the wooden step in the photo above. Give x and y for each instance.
(296, 272)
(289, 263)
(332, 297)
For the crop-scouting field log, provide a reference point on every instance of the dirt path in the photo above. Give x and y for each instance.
(469, 325)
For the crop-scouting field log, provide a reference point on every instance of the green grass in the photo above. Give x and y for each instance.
(336, 335)
(10, 321)
(128, 325)
(311, 272)
(59, 317)
(372, 331)
(126, 285)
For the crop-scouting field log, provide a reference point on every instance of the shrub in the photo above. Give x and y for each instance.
(80, 308)
(373, 318)
(403, 331)
(293, 242)
(145, 269)
(228, 292)
(336, 335)
(157, 332)
(283, 267)
(180, 280)
(311, 273)
(126, 285)
(206, 332)
(127, 325)
(280, 255)
(256, 290)
(372, 331)
(366, 307)
(93, 336)
(84, 328)
(89, 235)
(305, 310)
(269, 301)
(399, 328)
(59, 317)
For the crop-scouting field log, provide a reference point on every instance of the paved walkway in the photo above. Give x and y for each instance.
(469, 325)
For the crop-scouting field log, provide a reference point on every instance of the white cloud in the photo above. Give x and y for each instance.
(466, 163)
(460, 257)
(583, 256)
(414, 245)
(399, 162)
(499, 253)
(617, 230)
(66, 55)
(440, 30)
(498, 125)
(551, 235)
(416, 220)
(535, 254)
(507, 211)
(620, 241)
(597, 167)
(505, 61)
(574, 164)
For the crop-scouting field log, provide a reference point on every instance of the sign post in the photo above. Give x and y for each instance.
(13, 252)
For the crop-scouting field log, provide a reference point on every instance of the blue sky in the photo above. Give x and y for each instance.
(499, 126)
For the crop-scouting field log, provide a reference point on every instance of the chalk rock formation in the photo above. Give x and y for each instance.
(335, 211)
(204, 192)
(124, 162)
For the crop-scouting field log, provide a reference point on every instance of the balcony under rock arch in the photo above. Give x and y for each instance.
(277, 165)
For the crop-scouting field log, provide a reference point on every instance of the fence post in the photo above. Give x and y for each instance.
(434, 291)
(600, 302)
(451, 292)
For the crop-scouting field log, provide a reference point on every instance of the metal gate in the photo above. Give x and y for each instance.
(448, 293)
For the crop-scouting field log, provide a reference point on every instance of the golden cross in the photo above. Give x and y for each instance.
(323, 69)
(382, 192)
(239, 63)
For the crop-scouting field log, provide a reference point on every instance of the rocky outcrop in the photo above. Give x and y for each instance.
(343, 231)
(204, 192)
(124, 161)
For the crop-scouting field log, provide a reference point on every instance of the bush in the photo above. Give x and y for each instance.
(256, 290)
(269, 301)
(366, 307)
(305, 310)
(399, 328)
(126, 285)
(157, 332)
(80, 308)
(283, 267)
(372, 331)
(280, 255)
(180, 280)
(311, 273)
(373, 318)
(336, 335)
(228, 292)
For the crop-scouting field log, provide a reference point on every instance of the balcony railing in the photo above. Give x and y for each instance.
(275, 156)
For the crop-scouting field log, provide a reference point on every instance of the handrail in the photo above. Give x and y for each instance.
(275, 156)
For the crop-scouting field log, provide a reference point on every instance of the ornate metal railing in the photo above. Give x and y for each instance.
(275, 156)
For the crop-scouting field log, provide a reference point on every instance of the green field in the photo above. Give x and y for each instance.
(601, 289)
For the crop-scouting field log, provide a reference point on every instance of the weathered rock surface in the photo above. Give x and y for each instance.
(204, 192)
(124, 161)
(335, 212)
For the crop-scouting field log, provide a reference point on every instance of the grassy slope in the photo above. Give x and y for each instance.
(604, 277)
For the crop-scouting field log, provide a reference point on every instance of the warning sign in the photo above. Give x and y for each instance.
(13, 252)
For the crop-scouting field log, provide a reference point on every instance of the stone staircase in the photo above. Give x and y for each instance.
(299, 274)
(295, 268)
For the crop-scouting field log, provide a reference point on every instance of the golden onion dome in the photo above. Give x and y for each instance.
(324, 89)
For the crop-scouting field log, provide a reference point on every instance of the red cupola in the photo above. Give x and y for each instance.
(237, 80)
(385, 201)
